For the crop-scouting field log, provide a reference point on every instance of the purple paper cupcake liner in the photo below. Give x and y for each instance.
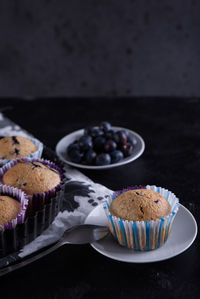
(36, 201)
(36, 155)
(22, 198)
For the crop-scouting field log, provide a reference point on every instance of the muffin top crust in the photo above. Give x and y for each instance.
(140, 205)
(10, 208)
(14, 147)
(32, 177)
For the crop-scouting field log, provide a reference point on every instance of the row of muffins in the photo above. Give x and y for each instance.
(23, 169)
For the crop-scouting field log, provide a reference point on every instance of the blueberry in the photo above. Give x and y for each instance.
(103, 159)
(105, 125)
(116, 156)
(110, 145)
(85, 142)
(124, 132)
(99, 143)
(75, 156)
(96, 131)
(127, 149)
(109, 134)
(122, 136)
(116, 137)
(87, 130)
(73, 146)
(132, 140)
(90, 157)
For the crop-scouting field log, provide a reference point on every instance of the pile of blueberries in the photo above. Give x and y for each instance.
(101, 145)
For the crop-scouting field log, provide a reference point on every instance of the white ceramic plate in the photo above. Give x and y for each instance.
(61, 149)
(183, 234)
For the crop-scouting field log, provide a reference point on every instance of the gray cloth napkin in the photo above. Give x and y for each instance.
(82, 193)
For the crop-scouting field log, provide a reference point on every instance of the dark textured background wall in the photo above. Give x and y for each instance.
(99, 48)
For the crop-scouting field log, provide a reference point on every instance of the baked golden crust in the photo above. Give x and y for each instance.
(16, 147)
(9, 209)
(140, 205)
(32, 177)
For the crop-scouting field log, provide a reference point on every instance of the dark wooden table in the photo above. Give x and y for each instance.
(171, 130)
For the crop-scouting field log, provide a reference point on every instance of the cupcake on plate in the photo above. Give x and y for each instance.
(141, 217)
(13, 206)
(38, 178)
(15, 147)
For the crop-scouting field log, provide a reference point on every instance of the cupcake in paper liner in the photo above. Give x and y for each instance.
(141, 217)
(40, 179)
(13, 207)
(17, 147)
(16, 237)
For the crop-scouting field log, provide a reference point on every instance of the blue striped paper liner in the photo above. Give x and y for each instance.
(140, 235)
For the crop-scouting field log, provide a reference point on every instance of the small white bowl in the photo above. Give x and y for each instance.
(62, 145)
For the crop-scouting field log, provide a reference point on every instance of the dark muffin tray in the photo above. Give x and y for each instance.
(11, 241)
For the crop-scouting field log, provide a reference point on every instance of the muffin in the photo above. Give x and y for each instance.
(140, 205)
(15, 147)
(9, 209)
(140, 218)
(38, 178)
(13, 205)
(32, 177)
